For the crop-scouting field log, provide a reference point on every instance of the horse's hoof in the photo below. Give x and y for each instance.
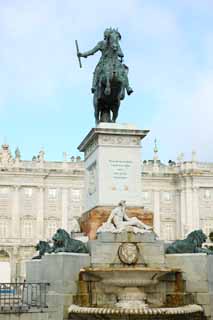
(107, 91)
(129, 91)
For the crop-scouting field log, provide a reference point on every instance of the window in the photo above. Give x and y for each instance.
(168, 231)
(167, 196)
(28, 192)
(52, 226)
(3, 229)
(207, 226)
(76, 195)
(27, 228)
(4, 191)
(145, 195)
(52, 193)
(207, 194)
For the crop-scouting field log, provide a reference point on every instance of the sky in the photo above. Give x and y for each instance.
(45, 99)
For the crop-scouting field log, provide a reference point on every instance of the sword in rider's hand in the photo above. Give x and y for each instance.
(77, 49)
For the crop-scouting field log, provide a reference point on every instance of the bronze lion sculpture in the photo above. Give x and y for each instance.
(192, 244)
(43, 247)
(62, 242)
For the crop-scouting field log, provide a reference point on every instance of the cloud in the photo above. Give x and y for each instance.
(38, 56)
(156, 21)
(185, 123)
(169, 55)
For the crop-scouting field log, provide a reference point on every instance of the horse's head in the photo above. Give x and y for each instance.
(112, 36)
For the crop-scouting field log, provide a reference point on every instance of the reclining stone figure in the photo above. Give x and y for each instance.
(119, 221)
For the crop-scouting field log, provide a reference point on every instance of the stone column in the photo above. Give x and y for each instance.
(14, 274)
(40, 214)
(178, 214)
(189, 212)
(182, 212)
(16, 214)
(64, 206)
(156, 210)
(196, 217)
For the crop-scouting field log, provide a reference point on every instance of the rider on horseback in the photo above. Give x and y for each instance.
(103, 46)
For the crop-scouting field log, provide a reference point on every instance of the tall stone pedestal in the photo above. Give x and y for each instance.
(113, 165)
(113, 168)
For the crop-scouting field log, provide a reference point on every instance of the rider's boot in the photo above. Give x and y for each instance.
(93, 90)
(129, 90)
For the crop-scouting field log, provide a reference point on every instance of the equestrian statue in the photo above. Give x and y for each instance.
(110, 78)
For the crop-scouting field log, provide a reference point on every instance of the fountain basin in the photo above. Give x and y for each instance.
(127, 283)
(190, 312)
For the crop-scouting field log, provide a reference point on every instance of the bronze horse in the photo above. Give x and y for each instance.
(110, 77)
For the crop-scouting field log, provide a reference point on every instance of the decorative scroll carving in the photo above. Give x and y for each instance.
(90, 148)
(119, 140)
(91, 179)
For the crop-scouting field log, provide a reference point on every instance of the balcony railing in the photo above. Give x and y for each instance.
(22, 297)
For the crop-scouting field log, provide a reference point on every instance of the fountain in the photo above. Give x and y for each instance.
(125, 275)
(129, 284)
(119, 293)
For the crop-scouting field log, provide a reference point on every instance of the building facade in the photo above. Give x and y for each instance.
(180, 195)
(38, 196)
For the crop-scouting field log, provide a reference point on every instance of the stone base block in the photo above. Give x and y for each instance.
(207, 311)
(90, 221)
(202, 298)
(61, 270)
(198, 275)
(179, 299)
(28, 316)
(126, 237)
(59, 304)
(33, 271)
(103, 254)
(197, 286)
(152, 253)
(194, 266)
(106, 253)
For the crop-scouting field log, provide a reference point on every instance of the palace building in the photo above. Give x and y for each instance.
(38, 196)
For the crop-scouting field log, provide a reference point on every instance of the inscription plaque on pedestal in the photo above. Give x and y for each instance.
(113, 165)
